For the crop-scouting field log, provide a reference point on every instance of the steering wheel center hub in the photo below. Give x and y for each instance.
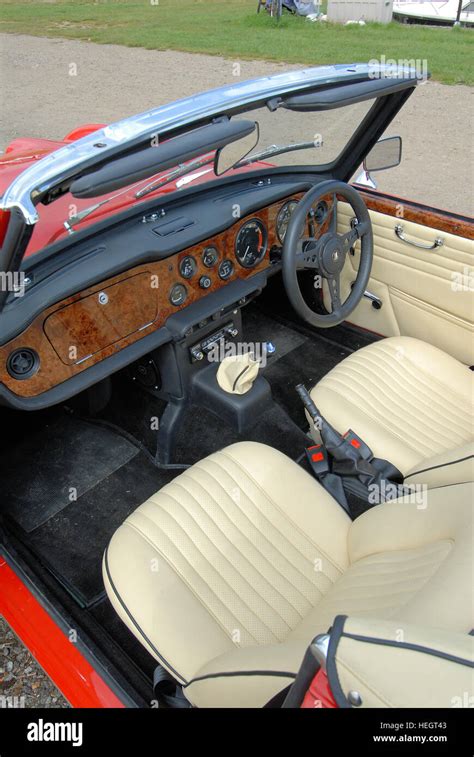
(333, 255)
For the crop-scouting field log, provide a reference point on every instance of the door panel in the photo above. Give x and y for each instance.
(427, 294)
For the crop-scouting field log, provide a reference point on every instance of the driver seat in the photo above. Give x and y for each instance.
(409, 401)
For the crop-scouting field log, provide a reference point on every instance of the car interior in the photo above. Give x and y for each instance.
(206, 412)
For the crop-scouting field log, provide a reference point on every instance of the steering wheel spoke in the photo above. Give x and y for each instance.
(351, 237)
(307, 254)
(333, 221)
(334, 285)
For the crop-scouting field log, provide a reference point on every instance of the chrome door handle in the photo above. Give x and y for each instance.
(437, 243)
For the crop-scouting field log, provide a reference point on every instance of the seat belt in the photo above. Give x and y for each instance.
(318, 459)
(345, 464)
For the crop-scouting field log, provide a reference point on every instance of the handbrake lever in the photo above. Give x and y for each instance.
(339, 448)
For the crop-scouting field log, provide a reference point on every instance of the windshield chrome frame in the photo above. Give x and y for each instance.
(67, 162)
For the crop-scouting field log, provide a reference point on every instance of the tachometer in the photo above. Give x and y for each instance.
(251, 243)
(283, 219)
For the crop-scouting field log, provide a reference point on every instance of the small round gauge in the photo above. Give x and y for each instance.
(178, 294)
(226, 269)
(210, 257)
(187, 267)
(283, 219)
(251, 243)
(321, 212)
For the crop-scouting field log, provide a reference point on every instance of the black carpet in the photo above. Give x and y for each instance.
(55, 466)
(306, 364)
(258, 327)
(203, 433)
(72, 542)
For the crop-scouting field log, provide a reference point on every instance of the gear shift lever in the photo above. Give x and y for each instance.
(237, 373)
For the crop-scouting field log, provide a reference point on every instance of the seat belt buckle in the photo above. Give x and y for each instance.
(359, 445)
(318, 459)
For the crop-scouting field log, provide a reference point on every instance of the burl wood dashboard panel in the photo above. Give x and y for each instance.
(87, 326)
(94, 324)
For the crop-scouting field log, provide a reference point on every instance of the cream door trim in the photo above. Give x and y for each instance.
(426, 294)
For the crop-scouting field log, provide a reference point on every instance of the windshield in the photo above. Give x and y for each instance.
(286, 138)
(327, 132)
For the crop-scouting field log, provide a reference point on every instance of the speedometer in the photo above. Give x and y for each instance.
(251, 243)
(283, 219)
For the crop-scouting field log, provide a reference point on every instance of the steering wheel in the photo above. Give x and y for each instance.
(327, 254)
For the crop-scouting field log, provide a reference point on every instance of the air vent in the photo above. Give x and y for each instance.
(22, 364)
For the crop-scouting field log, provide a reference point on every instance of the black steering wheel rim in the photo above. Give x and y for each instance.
(327, 254)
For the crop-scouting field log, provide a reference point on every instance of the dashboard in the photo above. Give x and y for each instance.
(95, 323)
(162, 274)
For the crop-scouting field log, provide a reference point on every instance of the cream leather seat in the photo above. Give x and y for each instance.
(408, 400)
(228, 572)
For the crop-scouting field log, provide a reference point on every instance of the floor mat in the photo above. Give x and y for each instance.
(72, 542)
(54, 468)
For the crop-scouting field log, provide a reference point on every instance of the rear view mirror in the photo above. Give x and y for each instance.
(231, 154)
(386, 153)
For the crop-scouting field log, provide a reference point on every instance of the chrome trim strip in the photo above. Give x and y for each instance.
(66, 162)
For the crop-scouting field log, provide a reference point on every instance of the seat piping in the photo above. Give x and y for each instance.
(234, 673)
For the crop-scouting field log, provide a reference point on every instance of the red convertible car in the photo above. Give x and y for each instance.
(236, 397)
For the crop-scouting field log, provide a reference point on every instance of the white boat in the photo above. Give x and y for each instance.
(433, 11)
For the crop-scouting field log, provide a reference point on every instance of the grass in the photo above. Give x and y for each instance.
(234, 30)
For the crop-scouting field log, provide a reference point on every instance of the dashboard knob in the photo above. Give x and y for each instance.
(205, 282)
(197, 353)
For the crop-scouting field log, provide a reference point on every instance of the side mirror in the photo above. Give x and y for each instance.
(386, 153)
(228, 156)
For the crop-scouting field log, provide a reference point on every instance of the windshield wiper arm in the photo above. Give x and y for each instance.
(278, 150)
(182, 169)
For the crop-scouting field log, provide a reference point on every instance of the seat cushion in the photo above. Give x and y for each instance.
(397, 667)
(455, 466)
(408, 400)
(228, 572)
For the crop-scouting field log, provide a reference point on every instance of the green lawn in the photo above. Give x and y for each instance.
(233, 29)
